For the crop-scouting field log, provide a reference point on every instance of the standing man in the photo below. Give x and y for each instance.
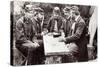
(78, 36)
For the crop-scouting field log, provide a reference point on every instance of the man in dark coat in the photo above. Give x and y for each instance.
(78, 35)
(28, 31)
(56, 22)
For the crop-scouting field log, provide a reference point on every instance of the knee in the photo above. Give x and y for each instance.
(17, 46)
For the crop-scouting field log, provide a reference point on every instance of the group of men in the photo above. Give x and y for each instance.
(30, 31)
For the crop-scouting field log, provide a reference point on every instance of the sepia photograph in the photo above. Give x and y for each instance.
(52, 33)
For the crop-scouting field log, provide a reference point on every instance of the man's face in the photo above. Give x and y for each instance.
(67, 14)
(29, 14)
(73, 15)
(40, 16)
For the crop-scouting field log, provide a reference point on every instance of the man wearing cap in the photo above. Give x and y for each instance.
(67, 16)
(26, 36)
(38, 36)
(78, 36)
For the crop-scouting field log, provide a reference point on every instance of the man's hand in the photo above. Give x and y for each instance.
(44, 32)
(62, 39)
(36, 45)
(30, 44)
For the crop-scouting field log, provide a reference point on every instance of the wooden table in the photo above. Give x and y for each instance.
(54, 50)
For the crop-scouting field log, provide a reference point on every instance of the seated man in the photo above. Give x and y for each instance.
(27, 30)
(78, 36)
(56, 22)
(67, 16)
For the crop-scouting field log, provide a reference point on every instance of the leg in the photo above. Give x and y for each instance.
(22, 49)
(36, 56)
(83, 54)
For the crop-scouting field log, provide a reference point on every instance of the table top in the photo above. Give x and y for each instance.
(53, 47)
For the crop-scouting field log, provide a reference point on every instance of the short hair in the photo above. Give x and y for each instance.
(56, 10)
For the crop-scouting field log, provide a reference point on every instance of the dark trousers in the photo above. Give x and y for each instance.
(34, 56)
(83, 54)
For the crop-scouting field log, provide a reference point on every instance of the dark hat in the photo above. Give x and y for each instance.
(33, 8)
(75, 8)
(67, 8)
(38, 9)
(28, 7)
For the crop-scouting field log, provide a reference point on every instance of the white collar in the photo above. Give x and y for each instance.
(77, 17)
(35, 18)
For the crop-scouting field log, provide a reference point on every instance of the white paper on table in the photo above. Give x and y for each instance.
(51, 45)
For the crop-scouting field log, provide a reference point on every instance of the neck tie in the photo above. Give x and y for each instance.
(55, 27)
